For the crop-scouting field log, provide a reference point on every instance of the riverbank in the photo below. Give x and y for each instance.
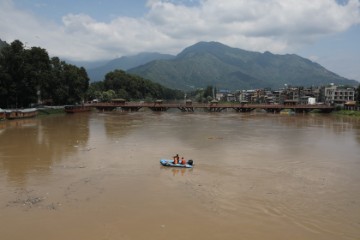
(61, 110)
(50, 111)
(348, 113)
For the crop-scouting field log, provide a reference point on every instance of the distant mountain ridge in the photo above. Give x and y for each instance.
(124, 63)
(213, 63)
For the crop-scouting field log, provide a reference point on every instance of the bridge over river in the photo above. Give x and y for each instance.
(210, 107)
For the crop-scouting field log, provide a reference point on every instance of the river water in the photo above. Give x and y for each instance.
(256, 176)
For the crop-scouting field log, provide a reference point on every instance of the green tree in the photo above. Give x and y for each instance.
(122, 94)
(94, 90)
(37, 71)
(77, 83)
(22, 73)
(12, 63)
(67, 83)
(108, 95)
(54, 88)
(208, 93)
(134, 87)
(28, 74)
(5, 80)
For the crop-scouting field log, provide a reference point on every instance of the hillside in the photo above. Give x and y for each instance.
(212, 63)
(124, 63)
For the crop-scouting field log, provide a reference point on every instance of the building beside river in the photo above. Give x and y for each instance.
(339, 95)
(330, 95)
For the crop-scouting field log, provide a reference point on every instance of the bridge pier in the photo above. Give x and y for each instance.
(301, 110)
(159, 106)
(159, 109)
(186, 109)
(273, 110)
(130, 109)
(326, 110)
(244, 109)
(105, 108)
(215, 109)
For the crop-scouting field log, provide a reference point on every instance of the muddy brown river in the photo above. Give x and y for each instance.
(257, 176)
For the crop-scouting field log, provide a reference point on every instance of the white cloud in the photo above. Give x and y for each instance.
(275, 25)
(257, 22)
(313, 58)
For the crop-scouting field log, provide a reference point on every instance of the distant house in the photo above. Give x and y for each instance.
(311, 100)
(292, 94)
(246, 95)
(291, 102)
(230, 97)
(221, 95)
(304, 100)
(269, 97)
(339, 95)
(277, 96)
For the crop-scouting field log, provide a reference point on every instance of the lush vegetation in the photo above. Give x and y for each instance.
(119, 84)
(211, 63)
(48, 111)
(28, 75)
(202, 95)
(348, 113)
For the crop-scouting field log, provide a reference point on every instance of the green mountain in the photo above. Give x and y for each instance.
(213, 63)
(124, 63)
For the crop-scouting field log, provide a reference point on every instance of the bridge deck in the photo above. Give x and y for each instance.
(135, 106)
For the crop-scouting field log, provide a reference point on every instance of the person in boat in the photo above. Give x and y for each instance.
(176, 159)
(183, 162)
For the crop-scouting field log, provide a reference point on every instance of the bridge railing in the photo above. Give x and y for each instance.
(212, 105)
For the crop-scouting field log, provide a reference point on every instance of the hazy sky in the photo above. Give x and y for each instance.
(326, 31)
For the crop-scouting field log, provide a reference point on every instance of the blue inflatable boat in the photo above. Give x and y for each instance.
(170, 163)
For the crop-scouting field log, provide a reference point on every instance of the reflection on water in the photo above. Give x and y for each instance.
(256, 176)
(115, 128)
(33, 145)
(177, 171)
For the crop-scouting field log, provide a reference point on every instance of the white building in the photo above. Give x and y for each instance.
(311, 100)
